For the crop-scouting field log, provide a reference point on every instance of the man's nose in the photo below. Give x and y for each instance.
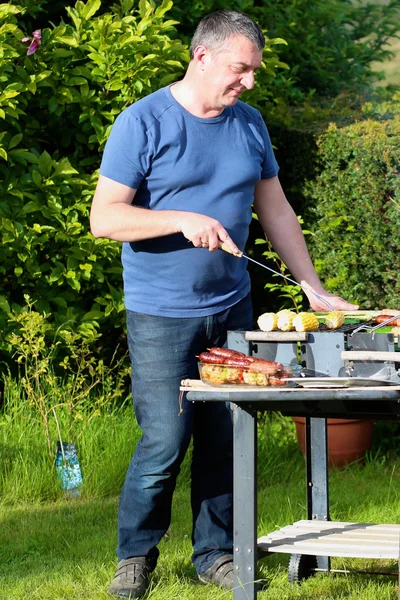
(248, 80)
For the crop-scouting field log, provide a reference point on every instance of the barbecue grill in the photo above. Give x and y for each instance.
(333, 353)
(338, 354)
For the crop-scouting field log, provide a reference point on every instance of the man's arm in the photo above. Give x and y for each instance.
(114, 216)
(283, 230)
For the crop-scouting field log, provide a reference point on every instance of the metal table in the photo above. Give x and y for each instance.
(313, 540)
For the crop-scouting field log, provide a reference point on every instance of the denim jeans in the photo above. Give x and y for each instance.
(163, 352)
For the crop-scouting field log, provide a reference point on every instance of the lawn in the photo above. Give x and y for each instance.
(65, 549)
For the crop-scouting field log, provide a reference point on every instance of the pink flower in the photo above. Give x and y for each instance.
(34, 41)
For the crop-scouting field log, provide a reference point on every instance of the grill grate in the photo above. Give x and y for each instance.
(346, 328)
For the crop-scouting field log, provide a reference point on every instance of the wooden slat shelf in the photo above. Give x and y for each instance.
(330, 538)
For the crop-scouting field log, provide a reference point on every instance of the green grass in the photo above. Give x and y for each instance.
(65, 550)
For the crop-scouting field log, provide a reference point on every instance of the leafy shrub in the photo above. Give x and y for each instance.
(58, 106)
(356, 200)
(61, 391)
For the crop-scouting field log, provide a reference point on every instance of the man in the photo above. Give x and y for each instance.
(179, 174)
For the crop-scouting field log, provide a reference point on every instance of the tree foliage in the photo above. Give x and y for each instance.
(357, 207)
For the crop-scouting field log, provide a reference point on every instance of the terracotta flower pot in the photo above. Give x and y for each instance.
(348, 439)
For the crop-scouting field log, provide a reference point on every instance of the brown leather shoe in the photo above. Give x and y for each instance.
(132, 577)
(220, 573)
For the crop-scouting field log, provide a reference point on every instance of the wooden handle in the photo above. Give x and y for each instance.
(226, 248)
(370, 355)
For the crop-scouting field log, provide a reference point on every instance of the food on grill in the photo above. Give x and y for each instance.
(225, 374)
(225, 352)
(218, 374)
(238, 368)
(390, 311)
(238, 361)
(255, 378)
(383, 318)
(285, 320)
(305, 322)
(268, 367)
(268, 322)
(334, 319)
(207, 357)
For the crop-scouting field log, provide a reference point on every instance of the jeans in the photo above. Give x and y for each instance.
(163, 352)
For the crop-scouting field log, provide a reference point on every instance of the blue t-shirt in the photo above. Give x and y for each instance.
(178, 161)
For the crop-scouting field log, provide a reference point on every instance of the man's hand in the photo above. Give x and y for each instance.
(336, 302)
(205, 232)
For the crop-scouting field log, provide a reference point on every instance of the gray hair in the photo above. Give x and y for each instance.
(215, 29)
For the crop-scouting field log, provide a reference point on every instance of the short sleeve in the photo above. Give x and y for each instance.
(127, 154)
(270, 167)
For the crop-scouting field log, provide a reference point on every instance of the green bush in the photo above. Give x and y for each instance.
(356, 199)
(58, 106)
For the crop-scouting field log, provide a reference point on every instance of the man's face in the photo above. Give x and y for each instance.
(228, 73)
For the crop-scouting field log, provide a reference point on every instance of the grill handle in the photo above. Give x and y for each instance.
(370, 355)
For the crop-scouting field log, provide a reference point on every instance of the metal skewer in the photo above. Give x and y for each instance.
(373, 328)
(304, 287)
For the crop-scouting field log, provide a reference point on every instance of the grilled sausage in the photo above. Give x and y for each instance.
(266, 366)
(225, 352)
(214, 359)
(383, 318)
(237, 361)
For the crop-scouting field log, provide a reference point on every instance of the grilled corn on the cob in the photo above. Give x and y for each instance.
(334, 319)
(305, 322)
(268, 322)
(285, 320)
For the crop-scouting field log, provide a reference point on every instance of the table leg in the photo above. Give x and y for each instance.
(245, 503)
(317, 475)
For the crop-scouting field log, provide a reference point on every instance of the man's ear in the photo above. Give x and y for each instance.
(200, 56)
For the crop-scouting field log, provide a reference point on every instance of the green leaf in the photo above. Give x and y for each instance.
(143, 8)
(3, 153)
(92, 315)
(69, 40)
(4, 305)
(76, 80)
(8, 9)
(45, 164)
(165, 7)
(60, 301)
(23, 156)
(15, 140)
(52, 104)
(64, 167)
(30, 207)
(37, 178)
(92, 6)
(56, 274)
(86, 267)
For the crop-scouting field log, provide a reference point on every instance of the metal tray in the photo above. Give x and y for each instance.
(338, 382)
